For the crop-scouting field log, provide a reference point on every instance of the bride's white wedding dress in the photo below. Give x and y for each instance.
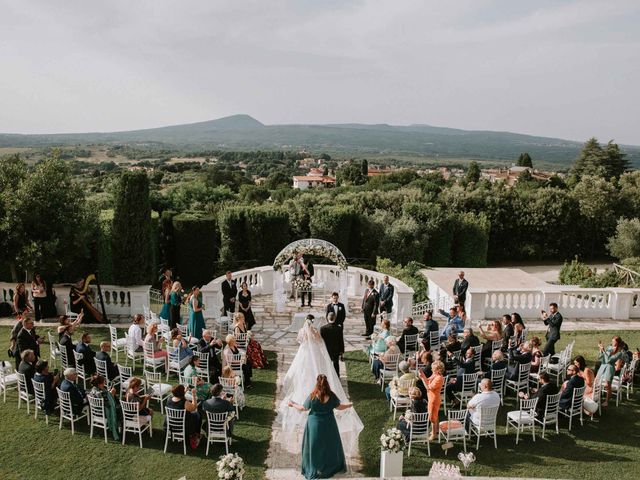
(311, 360)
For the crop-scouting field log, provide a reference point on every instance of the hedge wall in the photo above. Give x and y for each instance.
(338, 225)
(471, 240)
(196, 248)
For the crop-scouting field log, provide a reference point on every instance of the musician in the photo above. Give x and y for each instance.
(79, 300)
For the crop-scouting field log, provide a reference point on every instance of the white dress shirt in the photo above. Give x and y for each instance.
(483, 399)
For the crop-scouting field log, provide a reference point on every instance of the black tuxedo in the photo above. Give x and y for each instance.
(430, 326)
(460, 290)
(553, 322)
(215, 367)
(229, 293)
(340, 314)
(28, 341)
(412, 330)
(507, 333)
(333, 338)
(370, 305)
(386, 296)
(468, 342)
(566, 397)
(28, 370)
(112, 368)
(88, 358)
(543, 392)
(220, 405)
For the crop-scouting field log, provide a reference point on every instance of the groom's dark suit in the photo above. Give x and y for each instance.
(333, 338)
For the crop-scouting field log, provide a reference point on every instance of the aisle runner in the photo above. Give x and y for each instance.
(282, 465)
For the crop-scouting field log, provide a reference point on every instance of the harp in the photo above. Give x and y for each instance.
(101, 317)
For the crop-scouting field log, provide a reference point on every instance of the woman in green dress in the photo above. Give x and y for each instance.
(196, 317)
(322, 453)
(108, 396)
(608, 358)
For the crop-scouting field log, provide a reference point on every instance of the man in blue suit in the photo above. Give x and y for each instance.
(386, 295)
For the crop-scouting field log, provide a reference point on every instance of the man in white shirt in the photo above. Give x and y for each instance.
(486, 398)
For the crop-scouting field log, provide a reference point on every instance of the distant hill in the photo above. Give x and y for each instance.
(245, 132)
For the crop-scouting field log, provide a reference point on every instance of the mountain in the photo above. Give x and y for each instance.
(245, 132)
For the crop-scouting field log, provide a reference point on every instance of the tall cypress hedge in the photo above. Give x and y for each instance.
(339, 225)
(104, 247)
(196, 248)
(471, 240)
(131, 231)
(252, 236)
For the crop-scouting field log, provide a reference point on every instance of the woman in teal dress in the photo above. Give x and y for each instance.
(175, 298)
(379, 345)
(166, 293)
(196, 317)
(322, 453)
(608, 358)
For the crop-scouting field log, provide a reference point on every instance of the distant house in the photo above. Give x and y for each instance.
(313, 179)
(374, 171)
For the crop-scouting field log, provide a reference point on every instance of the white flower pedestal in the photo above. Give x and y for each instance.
(390, 464)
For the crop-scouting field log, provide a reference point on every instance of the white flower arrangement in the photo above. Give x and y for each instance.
(393, 441)
(230, 467)
(314, 247)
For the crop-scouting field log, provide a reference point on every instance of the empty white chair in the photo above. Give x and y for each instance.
(66, 411)
(8, 379)
(453, 428)
(497, 382)
(410, 345)
(523, 418)
(133, 422)
(419, 431)
(596, 397)
(434, 340)
(117, 344)
(521, 384)
(390, 369)
(63, 356)
(631, 370)
(469, 387)
(397, 399)
(159, 391)
(550, 413)
(486, 425)
(54, 352)
(477, 357)
(39, 392)
(617, 385)
(176, 430)
(132, 350)
(98, 418)
(443, 393)
(173, 361)
(80, 369)
(218, 430)
(23, 392)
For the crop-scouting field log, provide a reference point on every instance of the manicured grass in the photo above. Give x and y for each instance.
(606, 447)
(32, 450)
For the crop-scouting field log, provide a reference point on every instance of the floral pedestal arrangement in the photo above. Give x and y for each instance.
(393, 444)
(230, 467)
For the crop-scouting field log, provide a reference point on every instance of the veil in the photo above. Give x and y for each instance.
(311, 360)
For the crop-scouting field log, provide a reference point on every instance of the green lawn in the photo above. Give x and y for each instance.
(607, 447)
(31, 450)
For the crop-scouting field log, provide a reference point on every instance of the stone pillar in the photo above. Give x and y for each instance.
(476, 303)
(621, 301)
(139, 297)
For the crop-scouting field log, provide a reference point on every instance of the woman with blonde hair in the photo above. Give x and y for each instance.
(418, 405)
(255, 355)
(227, 354)
(156, 340)
(229, 374)
(434, 387)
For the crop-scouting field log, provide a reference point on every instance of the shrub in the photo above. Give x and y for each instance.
(338, 225)
(575, 273)
(409, 274)
(196, 248)
(626, 242)
(471, 240)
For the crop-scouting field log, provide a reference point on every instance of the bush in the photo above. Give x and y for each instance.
(403, 241)
(471, 240)
(131, 239)
(196, 248)
(338, 225)
(575, 273)
(626, 242)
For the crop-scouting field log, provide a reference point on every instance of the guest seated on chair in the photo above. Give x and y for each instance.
(238, 398)
(536, 354)
(218, 403)
(208, 344)
(454, 323)
(518, 359)
(181, 344)
(492, 333)
(64, 320)
(467, 366)
(418, 405)
(232, 349)
(546, 388)
(99, 390)
(67, 343)
(573, 381)
(255, 355)
(378, 340)
(27, 367)
(378, 363)
(409, 329)
(194, 379)
(486, 398)
(430, 325)
(178, 401)
(394, 386)
(135, 332)
(507, 332)
(88, 355)
(50, 383)
(77, 394)
(157, 340)
(469, 340)
(586, 373)
(497, 363)
(112, 369)
(133, 395)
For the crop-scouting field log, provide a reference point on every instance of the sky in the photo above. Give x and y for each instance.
(567, 69)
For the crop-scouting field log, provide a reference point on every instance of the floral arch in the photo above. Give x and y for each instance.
(311, 246)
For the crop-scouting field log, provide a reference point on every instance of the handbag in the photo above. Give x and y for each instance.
(590, 405)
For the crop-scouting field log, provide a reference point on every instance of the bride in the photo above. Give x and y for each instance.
(311, 360)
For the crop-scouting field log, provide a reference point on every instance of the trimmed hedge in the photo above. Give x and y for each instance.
(471, 240)
(338, 225)
(196, 248)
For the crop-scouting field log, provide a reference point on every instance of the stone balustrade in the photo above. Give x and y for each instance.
(573, 302)
(118, 300)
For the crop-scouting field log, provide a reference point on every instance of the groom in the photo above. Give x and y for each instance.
(331, 333)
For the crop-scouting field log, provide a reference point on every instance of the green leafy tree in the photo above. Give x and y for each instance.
(351, 174)
(616, 162)
(473, 173)
(365, 167)
(132, 260)
(277, 179)
(607, 162)
(13, 171)
(626, 242)
(524, 160)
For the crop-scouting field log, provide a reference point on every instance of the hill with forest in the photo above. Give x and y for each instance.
(244, 132)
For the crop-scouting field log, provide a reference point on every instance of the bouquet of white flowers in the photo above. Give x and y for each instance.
(230, 467)
(393, 441)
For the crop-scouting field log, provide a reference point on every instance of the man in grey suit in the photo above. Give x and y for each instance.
(218, 404)
(386, 295)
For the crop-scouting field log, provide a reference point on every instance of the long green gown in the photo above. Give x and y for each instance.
(322, 453)
(196, 320)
